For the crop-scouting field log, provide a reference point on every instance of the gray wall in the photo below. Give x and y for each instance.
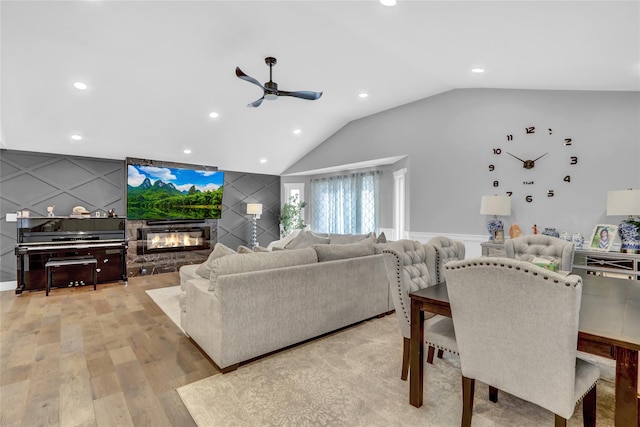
(36, 180)
(449, 138)
(234, 227)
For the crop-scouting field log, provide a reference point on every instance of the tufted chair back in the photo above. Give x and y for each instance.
(525, 248)
(405, 264)
(441, 250)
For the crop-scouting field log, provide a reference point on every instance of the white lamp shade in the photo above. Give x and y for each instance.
(623, 202)
(495, 205)
(254, 208)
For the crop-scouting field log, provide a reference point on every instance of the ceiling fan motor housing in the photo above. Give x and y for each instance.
(271, 90)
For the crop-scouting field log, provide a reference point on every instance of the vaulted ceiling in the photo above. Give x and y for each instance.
(155, 70)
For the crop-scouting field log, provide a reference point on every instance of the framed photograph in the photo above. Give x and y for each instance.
(498, 236)
(602, 237)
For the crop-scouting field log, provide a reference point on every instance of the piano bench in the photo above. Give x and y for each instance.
(70, 261)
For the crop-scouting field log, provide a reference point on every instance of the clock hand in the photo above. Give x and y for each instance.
(516, 157)
(540, 157)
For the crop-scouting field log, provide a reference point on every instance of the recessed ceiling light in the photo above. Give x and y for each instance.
(76, 137)
(263, 160)
(363, 95)
(388, 2)
(80, 85)
(187, 151)
(213, 114)
(477, 70)
(297, 131)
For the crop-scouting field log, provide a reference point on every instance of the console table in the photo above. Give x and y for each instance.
(616, 264)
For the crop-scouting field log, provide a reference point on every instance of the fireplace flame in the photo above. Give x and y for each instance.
(172, 240)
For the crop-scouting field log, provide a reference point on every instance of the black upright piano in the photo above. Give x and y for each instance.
(41, 238)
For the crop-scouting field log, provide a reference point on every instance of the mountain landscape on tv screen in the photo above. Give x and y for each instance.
(163, 200)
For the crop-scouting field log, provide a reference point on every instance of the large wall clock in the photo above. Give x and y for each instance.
(531, 163)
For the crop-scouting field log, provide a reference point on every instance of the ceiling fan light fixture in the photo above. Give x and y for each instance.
(270, 96)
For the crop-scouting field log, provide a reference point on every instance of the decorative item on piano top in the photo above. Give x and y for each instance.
(80, 212)
(50, 210)
(626, 202)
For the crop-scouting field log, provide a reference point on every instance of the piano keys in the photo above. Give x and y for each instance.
(40, 239)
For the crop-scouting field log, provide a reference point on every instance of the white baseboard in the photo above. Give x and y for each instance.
(8, 286)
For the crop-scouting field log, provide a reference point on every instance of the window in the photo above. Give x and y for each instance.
(345, 204)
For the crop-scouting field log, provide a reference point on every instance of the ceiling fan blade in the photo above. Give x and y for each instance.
(256, 103)
(304, 94)
(250, 79)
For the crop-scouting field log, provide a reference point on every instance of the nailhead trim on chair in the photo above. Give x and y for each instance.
(398, 277)
(502, 264)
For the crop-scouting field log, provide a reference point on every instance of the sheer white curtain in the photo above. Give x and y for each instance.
(345, 204)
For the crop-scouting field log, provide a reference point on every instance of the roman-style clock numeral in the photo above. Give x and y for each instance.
(567, 178)
(529, 199)
(550, 193)
(567, 141)
(574, 160)
(530, 129)
(492, 168)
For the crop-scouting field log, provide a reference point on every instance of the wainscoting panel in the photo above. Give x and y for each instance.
(34, 181)
(234, 228)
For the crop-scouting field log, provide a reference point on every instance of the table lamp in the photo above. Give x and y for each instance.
(495, 205)
(626, 203)
(254, 209)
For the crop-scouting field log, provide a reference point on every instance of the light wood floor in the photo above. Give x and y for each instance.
(81, 357)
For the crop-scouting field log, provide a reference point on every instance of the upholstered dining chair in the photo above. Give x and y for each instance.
(406, 267)
(517, 330)
(444, 250)
(527, 247)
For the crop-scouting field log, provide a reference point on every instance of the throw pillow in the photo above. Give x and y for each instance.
(351, 250)
(219, 250)
(306, 239)
(382, 238)
(244, 250)
(260, 249)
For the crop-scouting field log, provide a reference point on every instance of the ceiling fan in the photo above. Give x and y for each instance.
(270, 88)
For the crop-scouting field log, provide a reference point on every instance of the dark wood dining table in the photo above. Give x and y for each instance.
(609, 327)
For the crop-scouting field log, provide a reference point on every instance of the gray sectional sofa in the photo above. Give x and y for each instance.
(256, 303)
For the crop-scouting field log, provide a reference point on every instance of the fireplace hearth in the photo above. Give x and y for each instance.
(173, 239)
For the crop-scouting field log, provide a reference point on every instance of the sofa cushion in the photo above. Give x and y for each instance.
(343, 239)
(352, 250)
(306, 239)
(243, 263)
(219, 251)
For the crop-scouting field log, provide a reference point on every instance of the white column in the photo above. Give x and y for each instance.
(399, 207)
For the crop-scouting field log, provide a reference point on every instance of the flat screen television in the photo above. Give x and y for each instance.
(171, 193)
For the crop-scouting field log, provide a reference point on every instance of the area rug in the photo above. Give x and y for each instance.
(168, 300)
(352, 378)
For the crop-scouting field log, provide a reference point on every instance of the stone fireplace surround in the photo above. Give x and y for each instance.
(141, 263)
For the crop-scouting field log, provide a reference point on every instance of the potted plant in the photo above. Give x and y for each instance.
(291, 216)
